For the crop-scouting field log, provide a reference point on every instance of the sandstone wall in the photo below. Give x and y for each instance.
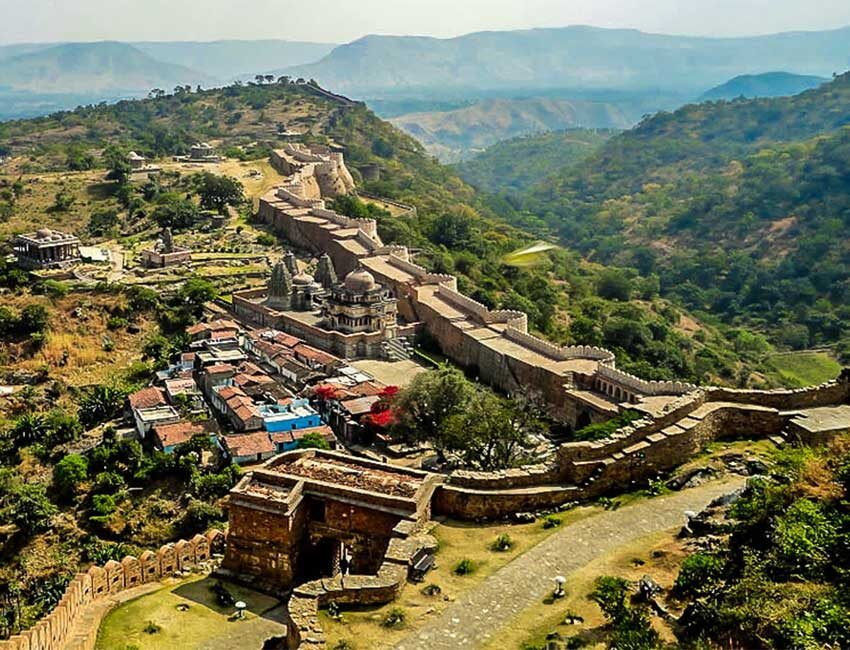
(54, 631)
(382, 587)
(635, 453)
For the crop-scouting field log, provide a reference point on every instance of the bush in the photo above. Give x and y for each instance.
(699, 574)
(394, 618)
(551, 521)
(502, 543)
(151, 628)
(464, 567)
(69, 473)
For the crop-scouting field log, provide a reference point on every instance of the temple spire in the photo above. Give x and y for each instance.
(325, 272)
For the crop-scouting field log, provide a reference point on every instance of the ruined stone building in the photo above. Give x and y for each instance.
(314, 171)
(295, 518)
(165, 252)
(45, 249)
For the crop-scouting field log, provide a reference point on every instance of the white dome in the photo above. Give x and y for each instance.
(303, 279)
(360, 281)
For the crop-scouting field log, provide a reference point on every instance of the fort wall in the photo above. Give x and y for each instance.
(56, 631)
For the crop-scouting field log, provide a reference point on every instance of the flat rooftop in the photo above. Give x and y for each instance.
(350, 472)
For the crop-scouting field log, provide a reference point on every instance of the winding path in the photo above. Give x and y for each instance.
(476, 616)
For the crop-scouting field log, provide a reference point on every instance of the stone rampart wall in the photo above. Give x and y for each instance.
(833, 392)
(54, 631)
(638, 385)
(555, 351)
(635, 453)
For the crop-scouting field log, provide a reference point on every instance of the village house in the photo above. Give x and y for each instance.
(149, 407)
(167, 437)
(289, 440)
(248, 448)
(239, 409)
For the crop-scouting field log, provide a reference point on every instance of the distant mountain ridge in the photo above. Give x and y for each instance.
(569, 57)
(769, 84)
(105, 67)
(227, 59)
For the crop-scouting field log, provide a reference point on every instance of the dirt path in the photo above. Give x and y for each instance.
(478, 615)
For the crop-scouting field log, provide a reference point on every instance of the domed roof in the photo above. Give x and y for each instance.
(360, 281)
(303, 279)
(43, 233)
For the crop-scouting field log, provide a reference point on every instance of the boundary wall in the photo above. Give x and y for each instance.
(54, 631)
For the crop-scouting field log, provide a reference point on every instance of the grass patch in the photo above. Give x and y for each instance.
(188, 615)
(805, 368)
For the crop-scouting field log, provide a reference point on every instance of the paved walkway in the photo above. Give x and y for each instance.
(477, 615)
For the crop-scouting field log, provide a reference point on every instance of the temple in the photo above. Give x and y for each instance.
(46, 249)
(165, 252)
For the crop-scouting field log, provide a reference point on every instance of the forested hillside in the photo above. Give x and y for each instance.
(520, 163)
(738, 207)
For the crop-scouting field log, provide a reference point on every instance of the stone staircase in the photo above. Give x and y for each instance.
(399, 349)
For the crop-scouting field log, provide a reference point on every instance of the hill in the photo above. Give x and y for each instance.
(570, 57)
(769, 84)
(520, 163)
(738, 207)
(456, 134)
(105, 67)
(226, 60)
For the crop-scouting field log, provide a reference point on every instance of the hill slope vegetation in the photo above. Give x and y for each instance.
(739, 207)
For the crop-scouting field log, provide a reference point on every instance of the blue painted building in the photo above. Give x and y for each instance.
(298, 414)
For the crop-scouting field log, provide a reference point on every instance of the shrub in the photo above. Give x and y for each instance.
(502, 543)
(394, 618)
(699, 574)
(431, 590)
(69, 473)
(551, 521)
(151, 628)
(464, 567)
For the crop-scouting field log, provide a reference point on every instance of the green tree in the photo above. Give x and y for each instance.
(217, 192)
(431, 399)
(69, 473)
(313, 441)
(614, 285)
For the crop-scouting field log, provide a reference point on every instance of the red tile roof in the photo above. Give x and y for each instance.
(287, 340)
(219, 368)
(176, 433)
(367, 389)
(249, 444)
(317, 356)
(361, 405)
(147, 398)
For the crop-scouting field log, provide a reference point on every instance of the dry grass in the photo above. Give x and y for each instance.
(458, 541)
(658, 556)
(74, 349)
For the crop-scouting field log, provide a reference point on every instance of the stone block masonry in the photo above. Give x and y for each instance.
(57, 630)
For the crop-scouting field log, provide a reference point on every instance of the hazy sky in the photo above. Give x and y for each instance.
(344, 20)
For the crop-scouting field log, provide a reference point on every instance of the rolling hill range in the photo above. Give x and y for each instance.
(225, 60)
(738, 207)
(454, 135)
(106, 67)
(570, 57)
(769, 84)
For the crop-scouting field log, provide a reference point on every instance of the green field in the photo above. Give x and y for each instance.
(805, 368)
(188, 616)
